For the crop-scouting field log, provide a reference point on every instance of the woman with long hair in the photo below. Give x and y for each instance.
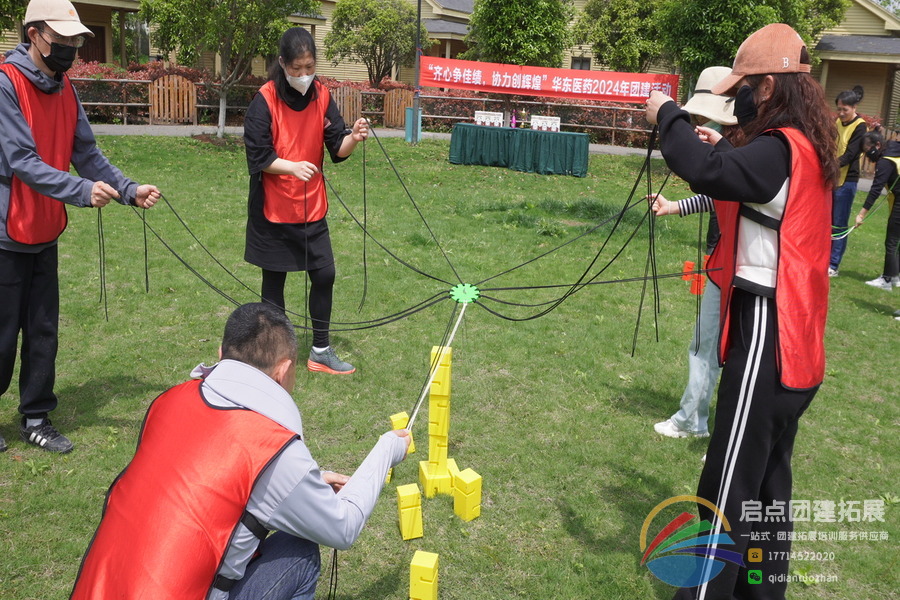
(288, 125)
(851, 128)
(773, 201)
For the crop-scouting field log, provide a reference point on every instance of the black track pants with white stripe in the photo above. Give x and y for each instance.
(749, 456)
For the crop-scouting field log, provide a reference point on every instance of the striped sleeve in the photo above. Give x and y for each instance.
(695, 204)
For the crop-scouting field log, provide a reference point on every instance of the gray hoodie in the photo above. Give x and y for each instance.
(18, 155)
(290, 494)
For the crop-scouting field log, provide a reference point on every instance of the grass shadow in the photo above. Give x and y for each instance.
(632, 505)
(384, 587)
(83, 404)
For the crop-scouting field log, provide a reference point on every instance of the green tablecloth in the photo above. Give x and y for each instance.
(545, 152)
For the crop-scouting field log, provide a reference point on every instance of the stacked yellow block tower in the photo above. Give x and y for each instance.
(434, 474)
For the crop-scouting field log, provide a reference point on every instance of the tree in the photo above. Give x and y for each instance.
(702, 33)
(237, 30)
(379, 33)
(520, 32)
(623, 34)
(11, 11)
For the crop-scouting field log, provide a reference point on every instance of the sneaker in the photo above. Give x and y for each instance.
(46, 436)
(328, 362)
(881, 283)
(670, 429)
(703, 460)
(832, 272)
(2, 444)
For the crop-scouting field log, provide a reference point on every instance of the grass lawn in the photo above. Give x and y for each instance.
(554, 412)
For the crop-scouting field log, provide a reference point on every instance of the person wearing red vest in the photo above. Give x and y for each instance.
(773, 201)
(288, 125)
(43, 130)
(220, 463)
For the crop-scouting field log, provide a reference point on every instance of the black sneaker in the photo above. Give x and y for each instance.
(46, 436)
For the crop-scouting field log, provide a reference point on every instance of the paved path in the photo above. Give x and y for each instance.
(188, 130)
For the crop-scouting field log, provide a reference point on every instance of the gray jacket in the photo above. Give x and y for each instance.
(290, 494)
(18, 155)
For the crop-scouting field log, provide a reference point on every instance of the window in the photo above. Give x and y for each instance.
(582, 63)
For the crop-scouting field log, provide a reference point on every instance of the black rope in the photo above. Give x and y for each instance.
(650, 264)
(580, 283)
(562, 285)
(333, 582)
(101, 241)
(380, 245)
(306, 264)
(416, 206)
(365, 262)
(146, 254)
(700, 253)
(617, 218)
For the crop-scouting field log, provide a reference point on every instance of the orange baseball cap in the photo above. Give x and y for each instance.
(775, 48)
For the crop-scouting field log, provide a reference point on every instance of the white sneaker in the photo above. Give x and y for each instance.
(881, 283)
(703, 460)
(668, 428)
(832, 272)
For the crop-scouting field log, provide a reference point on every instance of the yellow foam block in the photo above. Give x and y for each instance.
(409, 508)
(467, 495)
(434, 481)
(453, 470)
(438, 448)
(423, 576)
(441, 382)
(438, 420)
(399, 421)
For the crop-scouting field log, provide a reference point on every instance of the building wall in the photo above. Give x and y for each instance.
(873, 77)
(859, 21)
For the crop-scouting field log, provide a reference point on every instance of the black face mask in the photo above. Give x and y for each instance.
(874, 153)
(744, 106)
(60, 58)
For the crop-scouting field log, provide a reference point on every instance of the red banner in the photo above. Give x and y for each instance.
(541, 81)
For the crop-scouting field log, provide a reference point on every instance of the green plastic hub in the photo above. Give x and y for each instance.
(464, 293)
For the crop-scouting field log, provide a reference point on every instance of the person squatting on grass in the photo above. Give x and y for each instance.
(288, 124)
(773, 200)
(851, 128)
(692, 417)
(221, 461)
(43, 130)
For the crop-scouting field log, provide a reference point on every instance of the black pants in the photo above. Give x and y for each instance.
(320, 298)
(749, 456)
(29, 302)
(892, 242)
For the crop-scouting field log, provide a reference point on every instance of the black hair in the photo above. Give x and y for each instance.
(39, 25)
(873, 137)
(260, 335)
(850, 97)
(294, 43)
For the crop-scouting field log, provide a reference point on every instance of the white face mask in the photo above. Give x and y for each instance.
(301, 84)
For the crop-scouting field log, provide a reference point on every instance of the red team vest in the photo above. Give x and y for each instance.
(801, 288)
(34, 218)
(296, 135)
(170, 514)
